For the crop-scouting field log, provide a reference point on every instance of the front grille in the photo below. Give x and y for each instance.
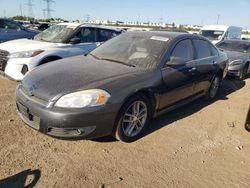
(3, 59)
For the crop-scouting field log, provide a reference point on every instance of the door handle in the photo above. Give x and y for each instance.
(192, 69)
(215, 62)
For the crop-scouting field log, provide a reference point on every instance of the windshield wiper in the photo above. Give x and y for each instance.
(117, 61)
(93, 56)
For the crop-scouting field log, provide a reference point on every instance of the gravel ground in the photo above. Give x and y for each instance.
(199, 145)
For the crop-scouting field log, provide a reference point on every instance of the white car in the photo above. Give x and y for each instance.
(18, 57)
(218, 33)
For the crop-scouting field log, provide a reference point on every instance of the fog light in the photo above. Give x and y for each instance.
(24, 69)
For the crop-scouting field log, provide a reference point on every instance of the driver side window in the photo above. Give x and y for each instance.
(183, 50)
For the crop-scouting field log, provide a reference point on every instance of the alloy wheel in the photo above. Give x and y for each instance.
(134, 119)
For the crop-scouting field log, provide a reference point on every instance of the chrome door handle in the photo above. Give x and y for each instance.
(192, 69)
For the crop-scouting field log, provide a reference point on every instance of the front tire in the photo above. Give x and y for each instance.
(243, 73)
(214, 88)
(133, 118)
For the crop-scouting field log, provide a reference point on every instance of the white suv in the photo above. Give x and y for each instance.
(18, 57)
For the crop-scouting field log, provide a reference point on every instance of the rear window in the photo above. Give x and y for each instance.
(202, 48)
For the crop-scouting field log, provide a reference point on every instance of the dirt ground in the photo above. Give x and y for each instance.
(200, 145)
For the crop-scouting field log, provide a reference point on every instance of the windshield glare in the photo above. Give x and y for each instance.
(235, 46)
(212, 34)
(55, 33)
(133, 50)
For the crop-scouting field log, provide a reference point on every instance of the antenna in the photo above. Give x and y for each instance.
(30, 8)
(48, 9)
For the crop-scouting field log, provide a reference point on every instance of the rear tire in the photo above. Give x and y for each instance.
(214, 88)
(133, 118)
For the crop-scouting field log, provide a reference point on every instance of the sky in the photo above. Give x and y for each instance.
(198, 12)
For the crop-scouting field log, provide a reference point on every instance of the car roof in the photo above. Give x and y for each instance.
(90, 25)
(166, 34)
(101, 27)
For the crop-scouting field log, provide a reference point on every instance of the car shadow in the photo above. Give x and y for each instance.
(19, 180)
(228, 86)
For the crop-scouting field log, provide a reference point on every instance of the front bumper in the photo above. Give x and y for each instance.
(15, 66)
(65, 123)
(235, 70)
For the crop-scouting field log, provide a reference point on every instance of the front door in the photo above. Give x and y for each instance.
(178, 79)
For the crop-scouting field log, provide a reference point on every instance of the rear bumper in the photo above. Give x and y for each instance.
(65, 123)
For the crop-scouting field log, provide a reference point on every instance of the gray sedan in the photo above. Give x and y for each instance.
(118, 87)
(238, 52)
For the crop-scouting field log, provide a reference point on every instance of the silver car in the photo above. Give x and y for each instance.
(238, 52)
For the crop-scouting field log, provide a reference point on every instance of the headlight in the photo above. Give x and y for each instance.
(81, 99)
(236, 62)
(25, 54)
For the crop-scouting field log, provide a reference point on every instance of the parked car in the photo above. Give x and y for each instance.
(119, 86)
(18, 57)
(238, 52)
(218, 33)
(11, 30)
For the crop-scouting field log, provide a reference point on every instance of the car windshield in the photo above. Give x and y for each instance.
(55, 33)
(133, 50)
(212, 34)
(238, 46)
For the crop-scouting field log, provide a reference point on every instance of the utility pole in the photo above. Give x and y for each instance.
(4, 13)
(44, 15)
(21, 9)
(48, 9)
(218, 19)
(30, 8)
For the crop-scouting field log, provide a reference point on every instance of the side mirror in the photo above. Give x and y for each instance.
(75, 40)
(175, 61)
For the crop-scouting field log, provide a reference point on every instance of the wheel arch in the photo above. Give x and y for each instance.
(49, 59)
(147, 92)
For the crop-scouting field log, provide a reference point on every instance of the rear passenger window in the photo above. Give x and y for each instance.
(87, 35)
(105, 35)
(202, 48)
(184, 50)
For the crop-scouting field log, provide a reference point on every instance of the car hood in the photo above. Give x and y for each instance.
(21, 45)
(50, 81)
(233, 55)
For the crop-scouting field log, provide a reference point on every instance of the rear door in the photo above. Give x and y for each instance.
(206, 64)
(89, 42)
(178, 79)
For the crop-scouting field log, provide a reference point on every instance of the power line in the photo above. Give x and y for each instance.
(48, 9)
